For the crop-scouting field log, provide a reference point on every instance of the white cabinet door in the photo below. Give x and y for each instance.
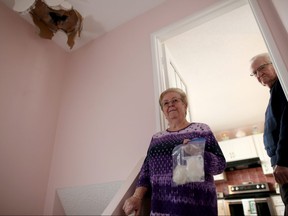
(221, 207)
(220, 177)
(278, 205)
(238, 149)
(265, 160)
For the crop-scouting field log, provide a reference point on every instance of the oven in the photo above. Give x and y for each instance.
(250, 199)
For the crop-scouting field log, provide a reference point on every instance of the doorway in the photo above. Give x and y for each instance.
(211, 52)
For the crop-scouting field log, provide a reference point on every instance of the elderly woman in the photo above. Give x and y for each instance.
(156, 175)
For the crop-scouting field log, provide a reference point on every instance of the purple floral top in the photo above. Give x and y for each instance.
(196, 198)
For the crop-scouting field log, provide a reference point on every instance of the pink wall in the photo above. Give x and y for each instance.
(31, 71)
(107, 108)
(90, 113)
(107, 115)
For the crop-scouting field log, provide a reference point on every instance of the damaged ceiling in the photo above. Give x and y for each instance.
(74, 23)
(50, 19)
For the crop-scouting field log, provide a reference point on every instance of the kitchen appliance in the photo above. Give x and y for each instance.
(243, 164)
(249, 199)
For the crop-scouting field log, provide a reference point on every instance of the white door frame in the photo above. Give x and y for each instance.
(159, 37)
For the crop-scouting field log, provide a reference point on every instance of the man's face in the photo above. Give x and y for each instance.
(264, 71)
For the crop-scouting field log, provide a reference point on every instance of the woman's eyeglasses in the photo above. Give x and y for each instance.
(172, 101)
(260, 68)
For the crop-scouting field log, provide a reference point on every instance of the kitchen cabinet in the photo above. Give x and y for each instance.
(221, 207)
(220, 177)
(238, 149)
(278, 205)
(264, 158)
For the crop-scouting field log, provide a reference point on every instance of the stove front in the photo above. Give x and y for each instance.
(251, 199)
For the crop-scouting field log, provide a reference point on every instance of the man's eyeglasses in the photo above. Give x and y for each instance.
(260, 68)
(172, 101)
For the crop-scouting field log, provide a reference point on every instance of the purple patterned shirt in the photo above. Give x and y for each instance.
(196, 198)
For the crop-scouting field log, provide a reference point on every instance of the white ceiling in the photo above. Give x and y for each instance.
(100, 16)
(212, 58)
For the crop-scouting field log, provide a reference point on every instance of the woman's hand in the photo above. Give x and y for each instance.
(191, 149)
(132, 204)
(185, 141)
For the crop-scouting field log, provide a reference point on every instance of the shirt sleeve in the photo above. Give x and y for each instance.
(214, 160)
(282, 145)
(144, 175)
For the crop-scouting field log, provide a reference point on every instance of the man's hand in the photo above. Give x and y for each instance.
(281, 174)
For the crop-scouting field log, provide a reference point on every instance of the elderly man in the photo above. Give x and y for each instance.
(276, 122)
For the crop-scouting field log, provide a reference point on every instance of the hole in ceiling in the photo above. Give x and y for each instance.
(50, 19)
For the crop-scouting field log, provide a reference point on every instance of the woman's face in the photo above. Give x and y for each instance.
(173, 107)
